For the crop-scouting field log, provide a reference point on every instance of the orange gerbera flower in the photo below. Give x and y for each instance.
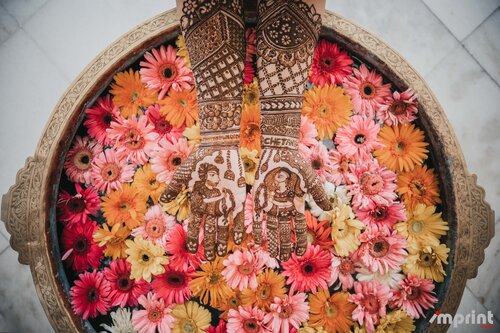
(332, 313)
(250, 127)
(404, 147)
(146, 183)
(318, 233)
(130, 93)
(271, 285)
(125, 205)
(329, 107)
(418, 186)
(180, 107)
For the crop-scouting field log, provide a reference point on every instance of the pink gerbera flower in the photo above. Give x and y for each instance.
(381, 252)
(109, 171)
(367, 91)
(359, 138)
(307, 134)
(381, 217)
(90, 295)
(76, 208)
(249, 213)
(371, 184)
(156, 227)
(164, 69)
(242, 268)
(155, 317)
(342, 269)
(79, 248)
(309, 272)
(251, 44)
(289, 312)
(173, 285)
(99, 118)
(78, 163)
(400, 108)
(176, 245)
(246, 319)
(162, 127)
(330, 65)
(371, 299)
(170, 154)
(341, 166)
(124, 290)
(317, 157)
(415, 296)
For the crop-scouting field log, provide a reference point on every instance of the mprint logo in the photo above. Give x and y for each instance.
(481, 319)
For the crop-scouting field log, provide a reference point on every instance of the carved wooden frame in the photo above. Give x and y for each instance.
(28, 206)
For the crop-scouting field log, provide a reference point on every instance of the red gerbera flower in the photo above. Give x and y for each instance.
(381, 216)
(99, 118)
(173, 285)
(90, 295)
(221, 327)
(124, 290)
(176, 245)
(76, 208)
(330, 65)
(162, 126)
(80, 250)
(248, 73)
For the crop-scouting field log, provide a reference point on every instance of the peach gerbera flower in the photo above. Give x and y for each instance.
(168, 157)
(156, 226)
(242, 268)
(246, 319)
(109, 171)
(414, 295)
(180, 108)
(400, 108)
(290, 311)
(418, 186)
(130, 94)
(371, 299)
(250, 127)
(359, 138)
(78, 163)
(124, 205)
(156, 315)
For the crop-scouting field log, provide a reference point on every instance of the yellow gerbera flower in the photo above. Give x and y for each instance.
(329, 108)
(130, 93)
(146, 183)
(423, 225)
(180, 207)
(345, 229)
(125, 205)
(146, 258)
(333, 313)
(396, 321)
(190, 317)
(180, 107)
(250, 159)
(404, 147)
(250, 127)
(193, 135)
(182, 51)
(232, 302)
(308, 329)
(251, 93)
(418, 186)
(113, 240)
(426, 261)
(209, 285)
(271, 285)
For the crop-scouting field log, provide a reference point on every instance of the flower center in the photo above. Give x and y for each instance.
(176, 279)
(162, 126)
(110, 172)
(379, 213)
(367, 90)
(379, 247)
(183, 103)
(251, 96)
(344, 164)
(252, 130)
(400, 147)
(346, 267)
(427, 259)
(371, 183)
(124, 206)
(124, 283)
(328, 63)
(265, 291)
(76, 205)
(92, 295)
(234, 302)
(134, 140)
(371, 304)
(248, 164)
(286, 312)
(176, 161)
(188, 326)
(316, 164)
(360, 139)
(213, 278)
(169, 72)
(155, 228)
(107, 119)
(82, 159)
(155, 314)
(308, 269)
(145, 257)
(81, 245)
(323, 110)
(134, 96)
(413, 294)
(330, 310)
(397, 108)
(417, 187)
(417, 226)
(245, 269)
(250, 325)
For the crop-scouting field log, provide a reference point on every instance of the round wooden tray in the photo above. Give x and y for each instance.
(29, 207)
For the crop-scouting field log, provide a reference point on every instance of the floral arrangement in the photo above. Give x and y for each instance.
(372, 264)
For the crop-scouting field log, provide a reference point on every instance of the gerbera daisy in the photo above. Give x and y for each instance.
(328, 108)
(251, 94)
(76, 208)
(109, 171)
(345, 229)
(173, 285)
(337, 195)
(367, 91)
(318, 233)
(250, 127)
(418, 186)
(146, 259)
(162, 127)
(191, 317)
(310, 271)
(270, 285)
(415, 295)
(156, 226)
(133, 139)
(358, 138)
(423, 225)
(168, 157)
(90, 295)
(391, 278)
(330, 65)
(307, 133)
(371, 299)
(404, 147)
(125, 205)
(130, 94)
(124, 290)
(176, 246)
(242, 268)
(332, 313)
(248, 213)
(400, 108)
(208, 283)
(370, 183)
(99, 118)
(164, 69)
(250, 44)
(250, 159)
(246, 319)
(180, 108)
(232, 302)
(381, 252)
(287, 312)
(317, 157)
(342, 270)
(396, 321)
(156, 316)
(121, 322)
(79, 249)
(146, 184)
(112, 240)
(182, 51)
(248, 72)
(341, 165)
(381, 217)
(180, 207)
(192, 134)
(78, 163)
(221, 328)
(426, 261)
